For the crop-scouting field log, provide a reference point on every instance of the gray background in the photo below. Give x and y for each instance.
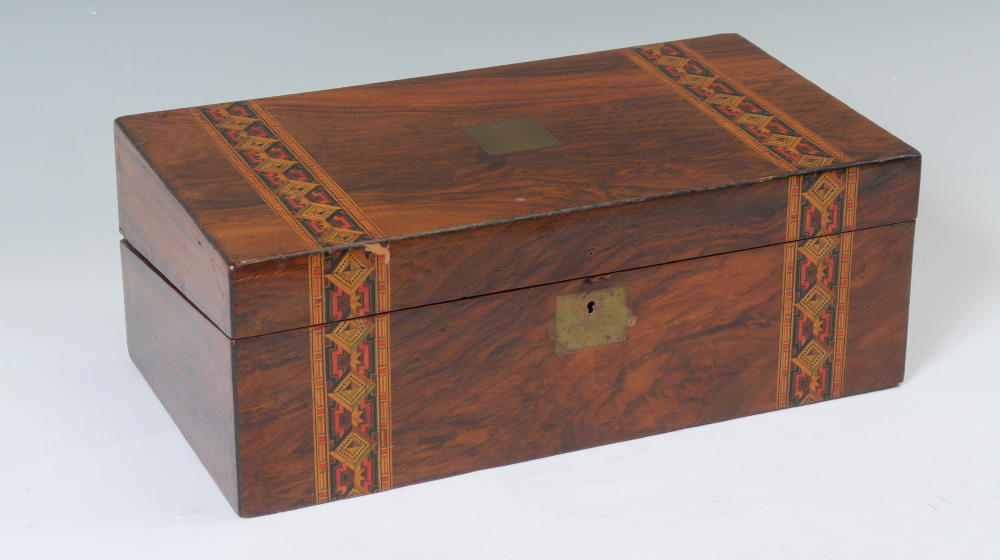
(91, 465)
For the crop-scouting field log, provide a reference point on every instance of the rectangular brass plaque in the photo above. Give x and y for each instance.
(511, 136)
(589, 319)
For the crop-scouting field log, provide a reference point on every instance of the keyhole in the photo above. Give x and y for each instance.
(590, 308)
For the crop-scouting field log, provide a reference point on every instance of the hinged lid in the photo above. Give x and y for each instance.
(291, 211)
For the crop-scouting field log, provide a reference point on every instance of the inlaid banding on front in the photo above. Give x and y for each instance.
(817, 261)
(349, 347)
(350, 373)
(816, 286)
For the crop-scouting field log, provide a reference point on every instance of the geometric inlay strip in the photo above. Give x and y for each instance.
(752, 119)
(283, 174)
(816, 286)
(350, 374)
(349, 343)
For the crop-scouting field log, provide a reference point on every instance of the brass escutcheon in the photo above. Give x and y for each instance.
(590, 319)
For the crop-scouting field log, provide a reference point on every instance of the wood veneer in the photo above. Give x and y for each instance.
(466, 399)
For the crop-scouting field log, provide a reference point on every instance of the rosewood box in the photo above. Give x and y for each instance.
(339, 292)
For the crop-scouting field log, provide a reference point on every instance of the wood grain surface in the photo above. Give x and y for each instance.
(187, 362)
(633, 155)
(156, 223)
(647, 190)
(702, 346)
(520, 254)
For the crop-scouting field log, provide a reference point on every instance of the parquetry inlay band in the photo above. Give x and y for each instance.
(349, 346)
(350, 372)
(817, 263)
(759, 124)
(349, 289)
(310, 202)
(816, 286)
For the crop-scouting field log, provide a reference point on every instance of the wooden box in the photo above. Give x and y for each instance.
(340, 292)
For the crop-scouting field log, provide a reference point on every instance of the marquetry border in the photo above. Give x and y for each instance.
(820, 222)
(349, 289)
(348, 296)
(313, 206)
(351, 379)
(318, 370)
(816, 277)
(759, 124)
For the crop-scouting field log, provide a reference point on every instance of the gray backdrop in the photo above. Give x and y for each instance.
(91, 465)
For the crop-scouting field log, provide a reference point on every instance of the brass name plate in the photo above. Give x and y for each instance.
(590, 319)
(511, 136)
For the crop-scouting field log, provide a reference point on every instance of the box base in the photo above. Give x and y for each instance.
(316, 414)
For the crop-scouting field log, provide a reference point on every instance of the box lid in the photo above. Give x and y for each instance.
(291, 211)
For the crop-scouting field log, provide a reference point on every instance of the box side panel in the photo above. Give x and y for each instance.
(425, 393)
(274, 295)
(233, 210)
(187, 362)
(161, 229)
(276, 423)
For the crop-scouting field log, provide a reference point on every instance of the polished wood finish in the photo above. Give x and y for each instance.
(156, 223)
(253, 243)
(513, 255)
(188, 363)
(638, 164)
(701, 348)
(500, 395)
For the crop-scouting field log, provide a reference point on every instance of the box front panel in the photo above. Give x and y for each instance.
(445, 267)
(367, 404)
